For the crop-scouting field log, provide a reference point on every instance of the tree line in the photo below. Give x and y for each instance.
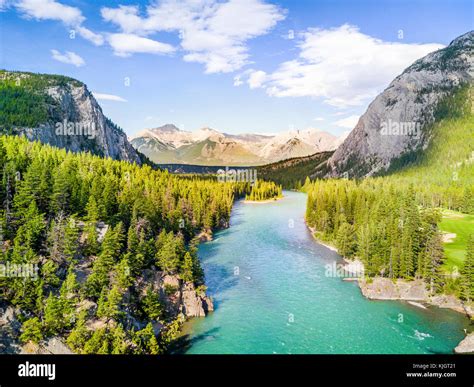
(383, 224)
(264, 190)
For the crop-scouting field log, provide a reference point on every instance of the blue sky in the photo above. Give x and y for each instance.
(234, 65)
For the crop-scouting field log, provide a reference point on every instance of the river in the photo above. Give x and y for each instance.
(266, 274)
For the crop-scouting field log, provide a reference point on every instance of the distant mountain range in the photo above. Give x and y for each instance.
(395, 128)
(171, 145)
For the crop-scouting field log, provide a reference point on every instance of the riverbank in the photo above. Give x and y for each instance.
(262, 201)
(414, 292)
(269, 275)
(319, 241)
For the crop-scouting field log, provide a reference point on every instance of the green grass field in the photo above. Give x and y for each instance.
(462, 225)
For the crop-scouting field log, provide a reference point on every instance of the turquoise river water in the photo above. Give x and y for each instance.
(266, 274)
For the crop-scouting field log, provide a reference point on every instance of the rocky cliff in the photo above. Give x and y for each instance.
(397, 122)
(62, 112)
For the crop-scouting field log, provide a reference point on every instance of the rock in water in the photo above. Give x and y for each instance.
(467, 345)
(192, 302)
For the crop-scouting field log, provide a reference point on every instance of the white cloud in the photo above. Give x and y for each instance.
(125, 16)
(348, 122)
(238, 81)
(68, 57)
(319, 119)
(93, 37)
(256, 79)
(211, 32)
(343, 66)
(128, 44)
(253, 78)
(52, 10)
(108, 97)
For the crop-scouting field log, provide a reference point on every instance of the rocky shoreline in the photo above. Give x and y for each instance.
(180, 299)
(414, 292)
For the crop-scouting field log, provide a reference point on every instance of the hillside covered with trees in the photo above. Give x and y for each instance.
(392, 222)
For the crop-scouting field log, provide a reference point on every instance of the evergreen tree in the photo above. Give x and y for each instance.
(31, 331)
(79, 335)
(53, 316)
(467, 272)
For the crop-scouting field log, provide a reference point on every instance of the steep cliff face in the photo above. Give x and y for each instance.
(67, 115)
(397, 121)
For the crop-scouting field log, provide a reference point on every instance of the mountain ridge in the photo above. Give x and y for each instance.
(412, 100)
(207, 146)
(60, 111)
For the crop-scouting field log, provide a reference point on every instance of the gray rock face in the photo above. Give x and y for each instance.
(192, 302)
(386, 289)
(176, 295)
(396, 121)
(9, 330)
(467, 345)
(52, 346)
(72, 103)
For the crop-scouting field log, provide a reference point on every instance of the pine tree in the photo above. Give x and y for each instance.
(151, 304)
(79, 335)
(53, 316)
(346, 242)
(71, 240)
(31, 331)
(187, 268)
(434, 256)
(119, 341)
(467, 272)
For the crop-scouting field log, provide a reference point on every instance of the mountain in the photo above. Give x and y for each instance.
(168, 144)
(292, 173)
(398, 123)
(298, 143)
(62, 112)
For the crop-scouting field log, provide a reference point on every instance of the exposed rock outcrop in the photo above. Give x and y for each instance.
(9, 330)
(467, 345)
(397, 121)
(449, 302)
(52, 346)
(70, 102)
(192, 302)
(387, 289)
(379, 288)
(205, 236)
(176, 295)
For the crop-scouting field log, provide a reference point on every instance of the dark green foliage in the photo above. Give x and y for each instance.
(292, 173)
(467, 272)
(31, 331)
(381, 224)
(93, 227)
